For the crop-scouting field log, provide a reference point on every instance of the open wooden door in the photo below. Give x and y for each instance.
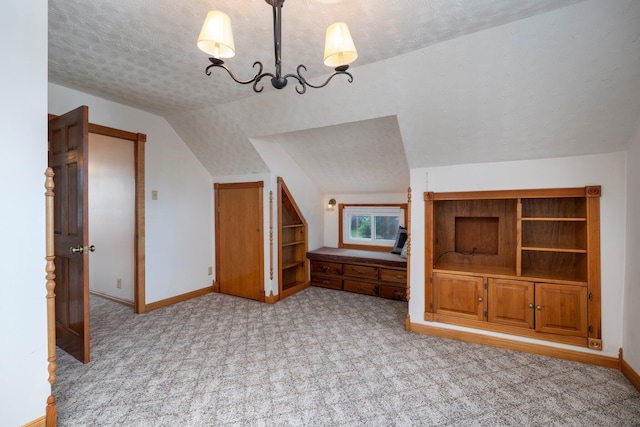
(68, 141)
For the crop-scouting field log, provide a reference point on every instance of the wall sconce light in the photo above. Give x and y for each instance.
(331, 204)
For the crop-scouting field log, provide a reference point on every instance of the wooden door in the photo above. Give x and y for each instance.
(239, 239)
(459, 296)
(561, 309)
(68, 141)
(510, 302)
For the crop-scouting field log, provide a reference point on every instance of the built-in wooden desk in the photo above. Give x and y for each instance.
(374, 273)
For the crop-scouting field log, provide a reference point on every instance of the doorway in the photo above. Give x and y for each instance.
(138, 140)
(112, 218)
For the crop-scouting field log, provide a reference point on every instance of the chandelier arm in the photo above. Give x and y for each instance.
(338, 70)
(303, 83)
(215, 62)
(257, 80)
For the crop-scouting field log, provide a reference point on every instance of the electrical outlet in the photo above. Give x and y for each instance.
(119, 283)
(210, 271)
(154, 194)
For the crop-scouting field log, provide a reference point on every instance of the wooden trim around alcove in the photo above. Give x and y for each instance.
(509, 344)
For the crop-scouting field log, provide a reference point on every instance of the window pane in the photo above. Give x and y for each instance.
(360, 227)
(386, 227)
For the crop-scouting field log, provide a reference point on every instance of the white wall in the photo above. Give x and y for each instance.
(305, 192)
(112, 216)
(23, 107)
(607, 170)
(631, 314)
(179, 225)
(331, 220)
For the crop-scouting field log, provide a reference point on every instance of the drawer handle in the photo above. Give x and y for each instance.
(399, 295)
(360, 288)
(325, 282)
(359, 271)
(325, 268)
(399, 276)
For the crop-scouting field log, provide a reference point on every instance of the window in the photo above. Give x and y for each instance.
(370, 225)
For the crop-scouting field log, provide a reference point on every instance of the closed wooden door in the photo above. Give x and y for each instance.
(239, 239)
(68, 141)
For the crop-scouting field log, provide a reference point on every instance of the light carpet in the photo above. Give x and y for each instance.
(318, 358)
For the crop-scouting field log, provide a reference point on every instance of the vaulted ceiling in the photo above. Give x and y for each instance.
(437, 82)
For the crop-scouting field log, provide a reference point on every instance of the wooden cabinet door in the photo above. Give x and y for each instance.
(561, 309)
(458, 295)
(510, 302)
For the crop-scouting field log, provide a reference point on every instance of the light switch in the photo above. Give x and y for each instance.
(154, 194)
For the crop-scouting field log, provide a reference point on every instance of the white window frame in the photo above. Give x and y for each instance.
(369, 210)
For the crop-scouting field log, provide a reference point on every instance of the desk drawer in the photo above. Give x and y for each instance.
(392, 292)
(361, 271)
(326, 281)
(360, 287)
(326, 267)
(396, 276)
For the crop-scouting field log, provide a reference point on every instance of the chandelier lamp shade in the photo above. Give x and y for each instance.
(216, 39)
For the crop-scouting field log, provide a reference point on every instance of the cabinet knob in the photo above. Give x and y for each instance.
(530, 305)
(480, 299)
(539, 307)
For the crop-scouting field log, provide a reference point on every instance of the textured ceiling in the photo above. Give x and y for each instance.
(368, 154)
(439, 82)
(143, 52)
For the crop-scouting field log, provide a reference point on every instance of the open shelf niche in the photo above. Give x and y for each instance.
(292, 244)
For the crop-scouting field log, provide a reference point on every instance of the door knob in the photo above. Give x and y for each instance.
(82, 250)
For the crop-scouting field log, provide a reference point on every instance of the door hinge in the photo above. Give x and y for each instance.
(590, 328)
(590, 296)
(486, 286)
(486, 314)
(431, 305)
(431, 279)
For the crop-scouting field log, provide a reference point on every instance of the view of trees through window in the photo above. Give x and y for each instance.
(366, 226)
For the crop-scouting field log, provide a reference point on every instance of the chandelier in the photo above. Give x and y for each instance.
(216, 39)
